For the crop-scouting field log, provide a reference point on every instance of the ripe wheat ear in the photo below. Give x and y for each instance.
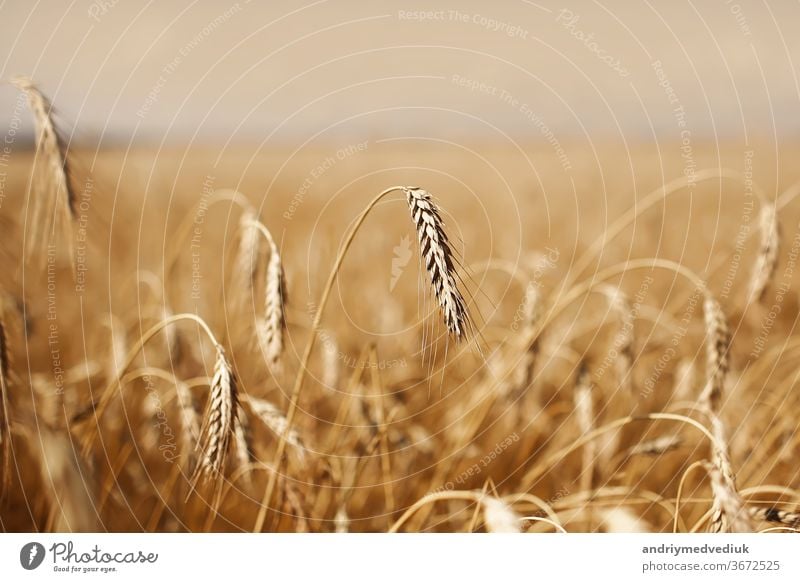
(434, 247)
(221, 414)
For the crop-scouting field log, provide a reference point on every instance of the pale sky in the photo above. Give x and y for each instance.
(277, 71)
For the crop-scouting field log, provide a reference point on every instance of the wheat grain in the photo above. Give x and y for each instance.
(438, 258)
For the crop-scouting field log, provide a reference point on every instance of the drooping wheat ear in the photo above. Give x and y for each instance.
(220, 416)
(5, 412)
(728, 514)
(499, 517)
(246, 266)
(718, 339)
(767, 259)
(190, 421)
(624, 338)
(55, 197)
(773, 514)
(438, 257)
(272, 325)
(525, 370)
(657, 446)
(275, 421)
(243, 438)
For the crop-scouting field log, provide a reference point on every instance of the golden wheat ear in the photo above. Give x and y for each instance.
(218, 426)
(55, 199)
(434, 248)
(271, 327)
(767, 260)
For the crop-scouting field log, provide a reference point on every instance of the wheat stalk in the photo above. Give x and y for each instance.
(438, 258)
(767, 259)
(220, 417)
(429, 224)
(51, 170)
(584, 411)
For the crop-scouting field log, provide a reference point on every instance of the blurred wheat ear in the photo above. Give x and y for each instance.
(54, 197)
(767, 259)
(272, 325)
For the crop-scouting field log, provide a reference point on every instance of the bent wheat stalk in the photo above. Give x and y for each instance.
(441, 267)
(114, 386)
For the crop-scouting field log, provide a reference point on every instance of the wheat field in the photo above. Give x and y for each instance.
(398, 336)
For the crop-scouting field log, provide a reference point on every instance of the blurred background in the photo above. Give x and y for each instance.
(277, 72)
